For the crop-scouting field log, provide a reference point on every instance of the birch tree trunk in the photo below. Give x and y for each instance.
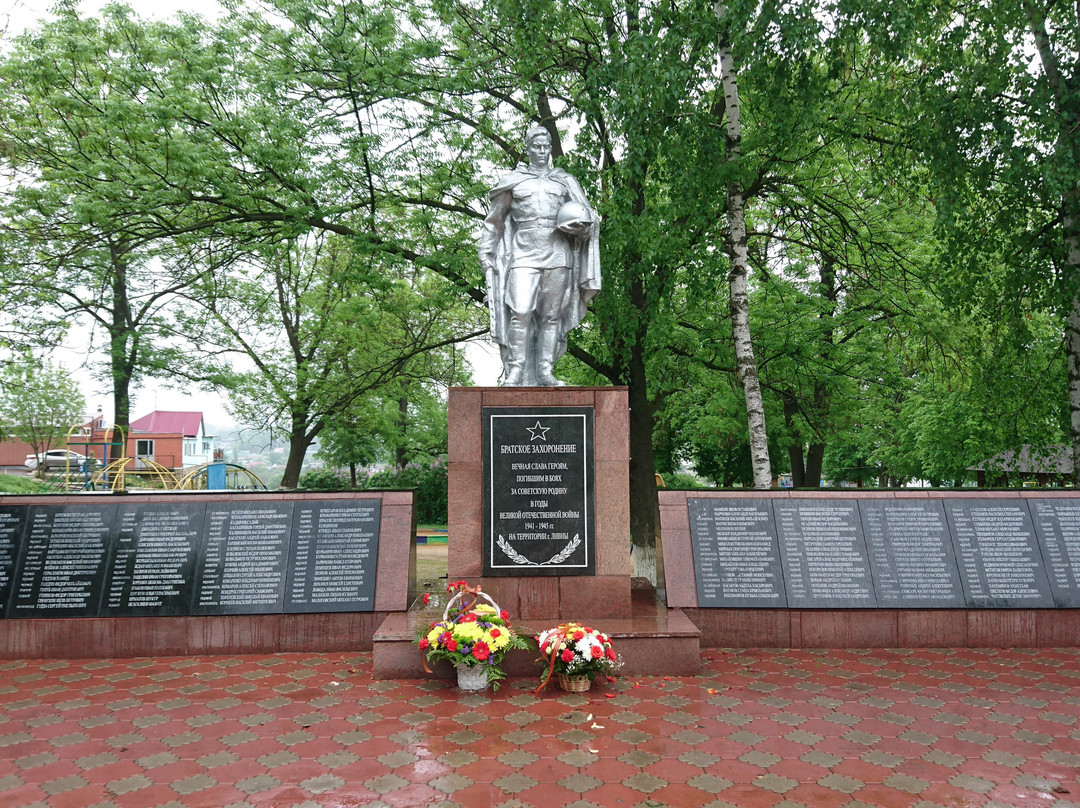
(738, 273)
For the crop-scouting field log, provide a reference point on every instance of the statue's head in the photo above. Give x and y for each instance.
(538, 145)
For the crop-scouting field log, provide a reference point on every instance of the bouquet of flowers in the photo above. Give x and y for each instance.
(471, 634)
(576, 654)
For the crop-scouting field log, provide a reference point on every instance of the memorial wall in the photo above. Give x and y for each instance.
(188, 556)
(885, 553)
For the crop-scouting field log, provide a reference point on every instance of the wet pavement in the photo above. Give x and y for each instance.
(922, 728)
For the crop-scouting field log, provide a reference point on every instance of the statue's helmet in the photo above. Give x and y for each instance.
(572, 216)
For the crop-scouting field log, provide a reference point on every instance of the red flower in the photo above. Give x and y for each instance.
(567, 655)
(468, 617)
(505, 615)
(544, 647)
(427, 598)
(578, 634)
(481, 651)
(495, 633)
(451, 645)
(424, 643)
(596, 651)
(446, 638)
(611, 654)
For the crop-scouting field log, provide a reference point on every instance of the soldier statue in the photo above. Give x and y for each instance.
(539, 249)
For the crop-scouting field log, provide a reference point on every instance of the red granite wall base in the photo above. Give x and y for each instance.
(606, 594)
(123, 637)
(887, 628)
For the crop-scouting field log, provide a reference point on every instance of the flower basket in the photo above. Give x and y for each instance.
(575, 654)
(474, 636)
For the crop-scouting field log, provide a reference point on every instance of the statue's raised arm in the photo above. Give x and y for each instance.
(539, 249)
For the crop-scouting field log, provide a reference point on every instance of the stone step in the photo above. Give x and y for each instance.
(653, 641)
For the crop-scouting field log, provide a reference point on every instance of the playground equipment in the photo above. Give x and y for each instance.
(217, 476)
(123, 473)
(90, 477)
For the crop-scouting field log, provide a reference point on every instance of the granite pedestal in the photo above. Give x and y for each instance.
(605, 594)
(651, 638)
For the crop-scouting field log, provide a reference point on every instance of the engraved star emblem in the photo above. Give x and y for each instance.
(538, 432)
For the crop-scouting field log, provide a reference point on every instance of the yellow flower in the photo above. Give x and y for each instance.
(468, 632)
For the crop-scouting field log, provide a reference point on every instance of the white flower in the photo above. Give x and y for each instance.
(584, 645)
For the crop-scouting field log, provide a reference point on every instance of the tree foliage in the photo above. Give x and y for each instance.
(994, 89)
(318, 327)
(302, 185)
(95, 226)
(39, 403)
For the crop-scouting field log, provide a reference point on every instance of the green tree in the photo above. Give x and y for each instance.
(94, 229)
(355, 439)
(994, 93)
(315, 327)
(39, 403)
(403, 422)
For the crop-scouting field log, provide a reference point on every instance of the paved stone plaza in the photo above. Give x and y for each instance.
(923, 728)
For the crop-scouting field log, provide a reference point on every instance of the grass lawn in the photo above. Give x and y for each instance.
(431, 566)
(17, 484)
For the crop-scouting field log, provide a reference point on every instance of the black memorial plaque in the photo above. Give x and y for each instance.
(12, 522)
(823, 554)
(335, 550)
(998, 555)
(1057, 525)
(911, 554)
(736, 556)
(62, 560)
(244, 558)
(153, 559)
(538, 491)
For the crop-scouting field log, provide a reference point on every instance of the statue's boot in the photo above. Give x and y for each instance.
(517, 334)
(545, 358)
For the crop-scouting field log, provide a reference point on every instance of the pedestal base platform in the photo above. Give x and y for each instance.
(653, 641)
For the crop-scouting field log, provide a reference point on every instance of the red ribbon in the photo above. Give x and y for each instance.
(559, 635)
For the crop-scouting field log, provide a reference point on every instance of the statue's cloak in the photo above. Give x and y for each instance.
(497, 237)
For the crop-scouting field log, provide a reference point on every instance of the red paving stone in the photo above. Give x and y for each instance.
(794, 729)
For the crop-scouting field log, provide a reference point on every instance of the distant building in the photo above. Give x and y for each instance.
(176, 440)
(14, 452)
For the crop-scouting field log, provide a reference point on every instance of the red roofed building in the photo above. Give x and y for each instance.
(176, 440)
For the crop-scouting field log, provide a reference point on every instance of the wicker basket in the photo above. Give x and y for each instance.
(471, 677)
(574, 684)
